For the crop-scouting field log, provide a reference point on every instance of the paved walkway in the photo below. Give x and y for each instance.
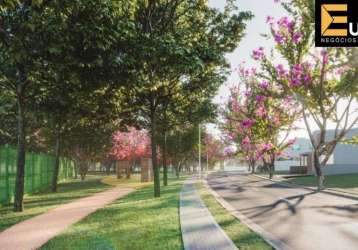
(199, 229)
(33, 233)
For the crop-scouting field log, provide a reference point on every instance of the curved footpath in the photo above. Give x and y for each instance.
(34, 232)
(199, 229)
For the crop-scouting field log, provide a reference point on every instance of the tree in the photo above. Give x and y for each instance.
(257, 119)
(181, 41)
(77, 35)
(20, 54)
(214, 150)
(182, 145)
(131, 146)
(322, 81)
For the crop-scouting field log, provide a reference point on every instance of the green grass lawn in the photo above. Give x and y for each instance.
(137, 221)
(243, 237)
(347, 182)
(41, 202)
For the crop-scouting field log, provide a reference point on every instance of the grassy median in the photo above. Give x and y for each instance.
(344, 182)
(243, 237)
(137, 221)
(39, 203)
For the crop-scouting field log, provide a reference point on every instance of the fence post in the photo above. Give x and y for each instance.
(7, 186)
(33, 160)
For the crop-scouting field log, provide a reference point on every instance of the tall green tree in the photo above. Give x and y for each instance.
(178, 43)
(46, 44)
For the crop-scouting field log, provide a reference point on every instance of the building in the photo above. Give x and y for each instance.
(344, 159)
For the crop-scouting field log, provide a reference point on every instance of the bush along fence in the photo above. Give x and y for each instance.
(38, 172)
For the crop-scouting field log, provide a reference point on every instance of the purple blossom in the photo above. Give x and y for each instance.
(260, 98)
(307, 79)
(248, 93)
(247, 123)
(281, 70)
(295, 82)
(264, 85)
(269, 19)
(278, 38)
(297, 37)
(286, 23)
(258, 54)
(246, 141)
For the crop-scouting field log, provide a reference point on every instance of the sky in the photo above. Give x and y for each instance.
(253, 40)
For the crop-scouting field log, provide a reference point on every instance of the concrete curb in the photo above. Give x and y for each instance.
(268, 237)
(326, 191)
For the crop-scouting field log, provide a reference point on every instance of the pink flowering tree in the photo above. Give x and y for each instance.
(257, 120)
(214, 150)
(131, 146)
(322, 81)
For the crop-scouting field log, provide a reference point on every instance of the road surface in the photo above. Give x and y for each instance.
(302, 219)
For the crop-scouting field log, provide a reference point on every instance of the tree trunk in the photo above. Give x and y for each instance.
(177, 172)
(76, 170)
(83, 169)
(108, 166)
(21, 154)
(252, 163)
(57, 162)
(318, 169)
(129, 170)
(272, 166)
(165, 167)
(154, 153)
(118, 170)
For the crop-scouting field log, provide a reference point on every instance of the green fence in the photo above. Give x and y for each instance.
(38, 172)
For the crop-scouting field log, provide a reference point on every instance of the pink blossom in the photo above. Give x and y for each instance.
(297, 37)
(261, 112)
(291, 141)
(269, 19)
(286, 23)
(260, 98)
(278, 38)
(264, 85)
(281, 70)
(246, 141)
(307, 79)
(131, 145)
(247, 123)
(295, 82)
(248, 93)
(258, 54)
(267, 146)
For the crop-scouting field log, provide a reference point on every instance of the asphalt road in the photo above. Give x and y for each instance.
(302, 219)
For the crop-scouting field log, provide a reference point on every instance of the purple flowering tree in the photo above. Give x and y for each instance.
(322, 81)
(255, 119)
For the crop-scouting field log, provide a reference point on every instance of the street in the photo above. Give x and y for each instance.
(300, 218)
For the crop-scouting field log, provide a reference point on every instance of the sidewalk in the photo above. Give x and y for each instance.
(199, 229)
(33, 233)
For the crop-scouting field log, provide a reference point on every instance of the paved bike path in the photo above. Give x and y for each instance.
(33, 233)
